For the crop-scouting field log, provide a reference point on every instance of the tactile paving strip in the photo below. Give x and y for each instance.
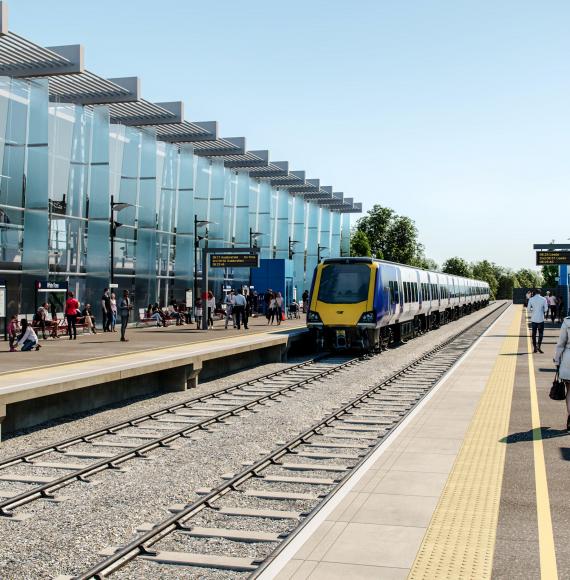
(460, 539)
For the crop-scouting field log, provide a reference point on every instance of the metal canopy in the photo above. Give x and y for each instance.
(143, 113)
(70, 82)
(220, 147)
(273, 169)
(248, 159)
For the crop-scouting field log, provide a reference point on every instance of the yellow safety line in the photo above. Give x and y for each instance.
(548, 568)
(460, 539)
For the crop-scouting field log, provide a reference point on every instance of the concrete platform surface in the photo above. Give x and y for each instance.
(472, 485)
(107, 344)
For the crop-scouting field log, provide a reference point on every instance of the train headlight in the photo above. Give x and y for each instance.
(368, 317)
(313, 316)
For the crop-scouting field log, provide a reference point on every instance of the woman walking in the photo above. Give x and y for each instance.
(272, 309)
(211, 307)
(71, 312)
(279, 307)
(562, 361)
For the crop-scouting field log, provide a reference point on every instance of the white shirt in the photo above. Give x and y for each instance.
(552, 300)
(28, 335)
(212, 303)
(537, 307)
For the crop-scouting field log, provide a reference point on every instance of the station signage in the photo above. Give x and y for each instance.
(234, 260)
(552, 258)
(47, 286)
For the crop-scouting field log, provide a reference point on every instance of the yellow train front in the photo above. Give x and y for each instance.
(343, 309)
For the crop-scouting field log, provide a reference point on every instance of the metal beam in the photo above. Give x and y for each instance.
(210, 134)
(275, 169)
(551, 247)
(3, 18)
(60, 60)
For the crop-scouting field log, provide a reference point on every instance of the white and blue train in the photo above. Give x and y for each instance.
(369, 303)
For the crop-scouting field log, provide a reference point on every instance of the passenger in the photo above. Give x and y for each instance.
(537, 308)
(158, 315)
(113, 311)
(41, 319)
(89, 319)
(279, 307)
(71, 312)
(13, 330)
(198, 313)
(272, 309)
(229, 301)
(562, 361)
(527, 298)
(28, 338)
(125, 308)
(106, 310)
(239, 307)
(211, 304)
(305, 299)
(560, 306)
(266, 300)
(552, 309)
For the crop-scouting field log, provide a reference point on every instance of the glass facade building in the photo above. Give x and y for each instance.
(66, 156)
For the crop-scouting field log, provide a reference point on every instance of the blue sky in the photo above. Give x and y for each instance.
(453, 112)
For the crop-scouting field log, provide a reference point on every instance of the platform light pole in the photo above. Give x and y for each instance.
(113, 225)
(198, 224)
(319, 249)
(292, 247)
(252, 244)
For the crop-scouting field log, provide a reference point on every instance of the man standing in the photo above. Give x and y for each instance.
(124, 311)
(537, 308)
(239, 308)
(106, 309)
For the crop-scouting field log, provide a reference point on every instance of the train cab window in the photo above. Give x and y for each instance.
(344, 283)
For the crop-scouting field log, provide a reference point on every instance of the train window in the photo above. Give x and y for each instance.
(344, 283)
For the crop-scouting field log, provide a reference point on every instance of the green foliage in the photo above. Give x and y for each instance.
(458, 267)
(359, 244)
(550, 273)
(391, 236)
(528, 278)
(489, 273)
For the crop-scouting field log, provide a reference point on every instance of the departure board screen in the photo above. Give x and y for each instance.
(234, 260)
(552, 258)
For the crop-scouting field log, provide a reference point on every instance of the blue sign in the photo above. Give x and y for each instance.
(47, 286)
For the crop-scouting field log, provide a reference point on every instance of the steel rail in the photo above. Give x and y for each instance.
(46, 490)
(140, 546)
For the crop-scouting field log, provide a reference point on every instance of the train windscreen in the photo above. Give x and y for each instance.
(344, 283)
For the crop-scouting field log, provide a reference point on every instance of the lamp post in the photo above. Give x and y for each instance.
(198, 224)
(292, 247)
(252, 244)
(113, 225)
(319, 248)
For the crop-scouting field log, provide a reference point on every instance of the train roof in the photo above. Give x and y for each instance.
(366, 260)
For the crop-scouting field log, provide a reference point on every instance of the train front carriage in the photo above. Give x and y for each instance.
(345, 305)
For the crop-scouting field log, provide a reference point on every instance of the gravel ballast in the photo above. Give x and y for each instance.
(65, 537)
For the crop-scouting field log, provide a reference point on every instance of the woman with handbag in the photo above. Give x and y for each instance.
(562, 361)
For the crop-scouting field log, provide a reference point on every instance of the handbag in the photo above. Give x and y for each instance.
(558, 389)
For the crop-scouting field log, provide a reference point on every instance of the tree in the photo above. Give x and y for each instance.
(402, 244)
(458, 267)
(528, 278)
(359, 244)
(507, 282)
(487, 272)
(392, 237)
(376, 225)
(550, 273)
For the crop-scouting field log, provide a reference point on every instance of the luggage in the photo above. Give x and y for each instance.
(558, 389)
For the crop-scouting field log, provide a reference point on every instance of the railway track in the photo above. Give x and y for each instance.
(253, 514)
(79, 458)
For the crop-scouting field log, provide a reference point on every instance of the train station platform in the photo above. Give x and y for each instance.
(473, 484)
(70, 376)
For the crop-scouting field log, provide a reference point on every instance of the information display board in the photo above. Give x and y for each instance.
(234, 260)
(552, 258)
